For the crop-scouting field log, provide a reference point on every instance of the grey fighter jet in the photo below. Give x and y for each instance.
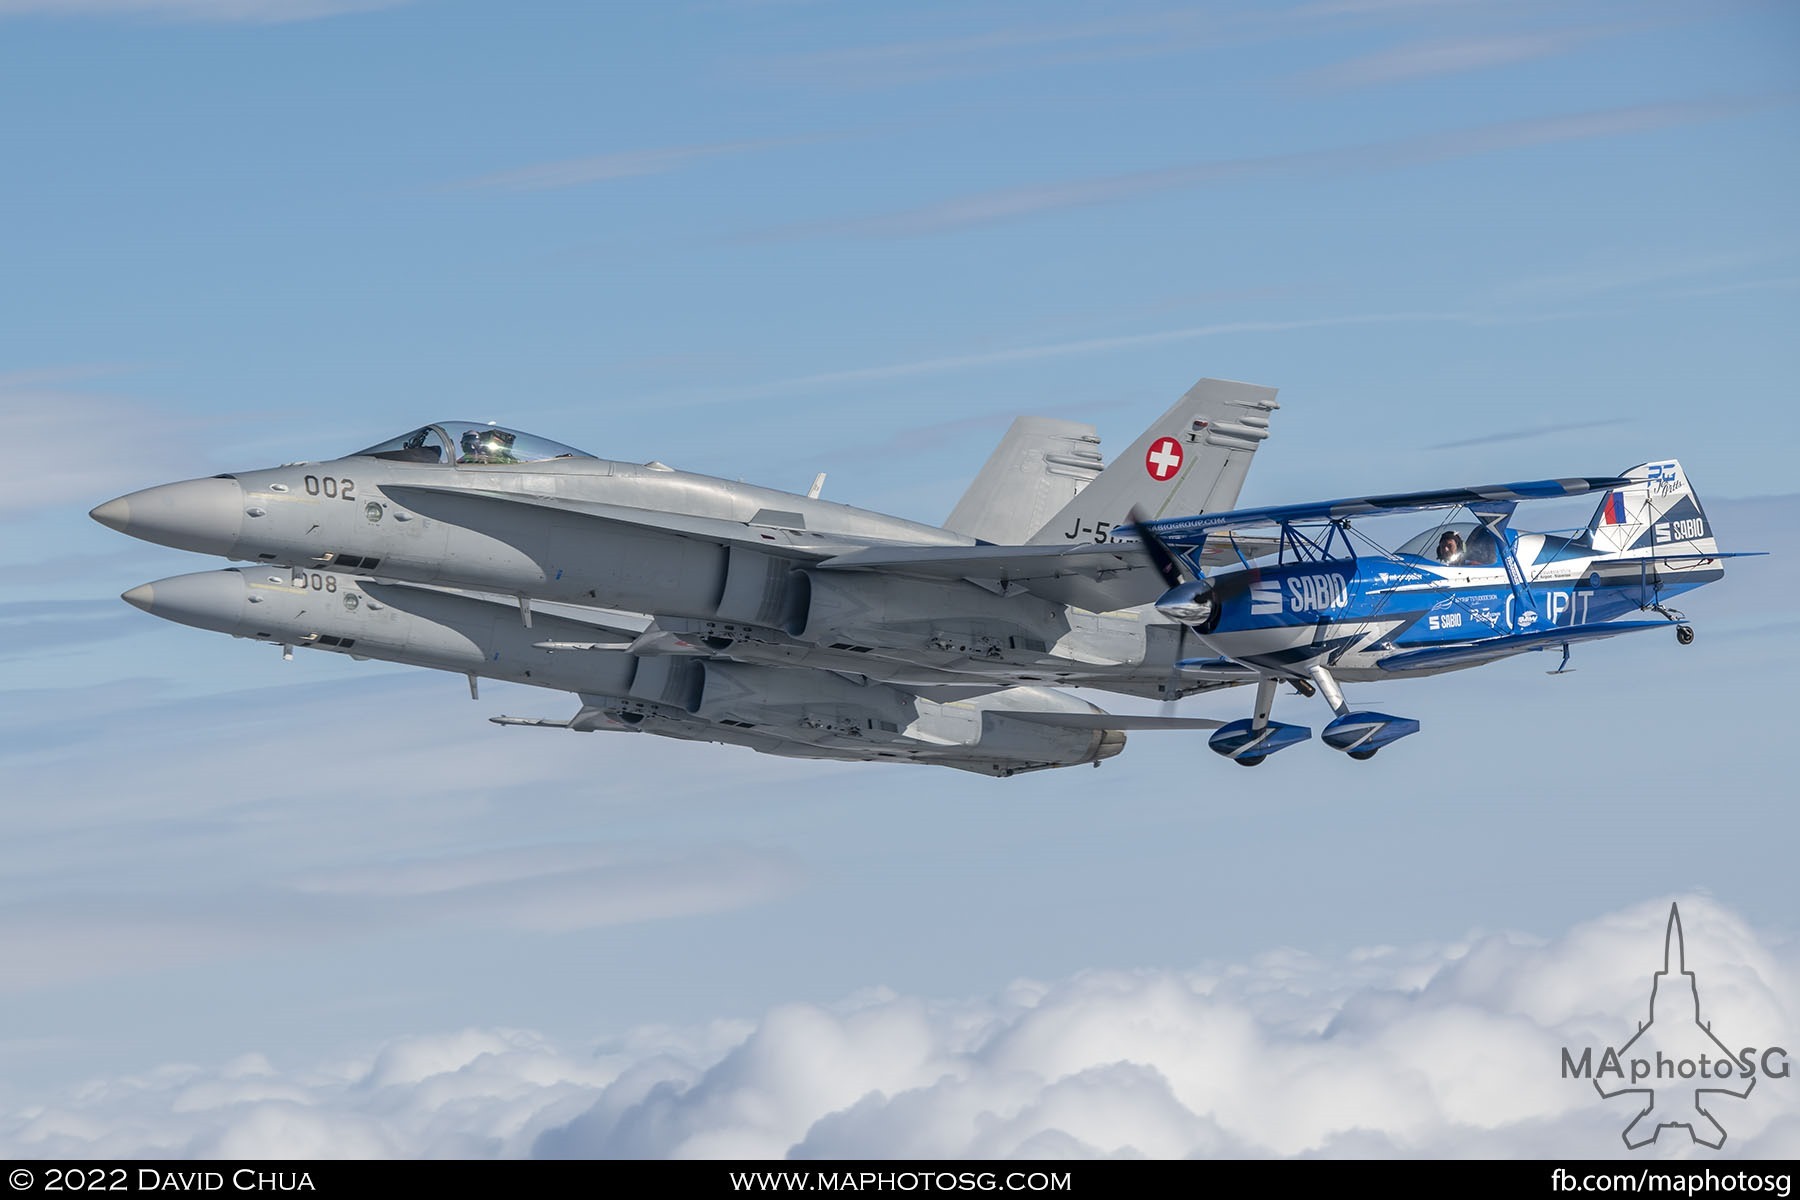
(755, 574)
(794, 713)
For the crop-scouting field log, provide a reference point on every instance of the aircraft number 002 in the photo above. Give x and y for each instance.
(331, 489)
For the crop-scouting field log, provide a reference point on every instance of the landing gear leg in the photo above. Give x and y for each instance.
(1328, 687)
(1259, 719)
(1265, 704)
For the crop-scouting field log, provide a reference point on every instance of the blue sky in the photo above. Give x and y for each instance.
(1468, 242)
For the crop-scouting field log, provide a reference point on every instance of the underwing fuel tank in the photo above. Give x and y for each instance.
(811, 714)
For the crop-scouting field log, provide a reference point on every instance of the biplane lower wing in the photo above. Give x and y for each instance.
(1489, 649)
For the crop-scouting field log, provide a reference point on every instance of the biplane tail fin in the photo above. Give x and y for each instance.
(1656, 515)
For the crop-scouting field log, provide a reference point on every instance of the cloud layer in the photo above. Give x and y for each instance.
(248, 11)
(1446, 1050)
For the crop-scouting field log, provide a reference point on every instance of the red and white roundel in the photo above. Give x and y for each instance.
(1163, 458)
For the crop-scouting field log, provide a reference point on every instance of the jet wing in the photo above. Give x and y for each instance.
(1488, 649)
(1098, 576)
(1175, 529)
(444, 502)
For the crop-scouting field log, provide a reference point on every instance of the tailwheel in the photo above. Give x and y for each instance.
(1250, 760)
(1684, 634)
(1362, 755)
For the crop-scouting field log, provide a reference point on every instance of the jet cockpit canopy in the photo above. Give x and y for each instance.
(472, 443)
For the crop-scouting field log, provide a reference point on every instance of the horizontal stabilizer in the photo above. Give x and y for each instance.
(1100, 720)
(1693, 556)
(1516, 643)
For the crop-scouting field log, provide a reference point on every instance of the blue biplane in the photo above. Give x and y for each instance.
(1330, 605)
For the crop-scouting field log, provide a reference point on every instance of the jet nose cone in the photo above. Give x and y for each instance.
(114, 514)
(202, 515)
(207, 600)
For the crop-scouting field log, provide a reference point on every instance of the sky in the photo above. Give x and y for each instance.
(321, 907)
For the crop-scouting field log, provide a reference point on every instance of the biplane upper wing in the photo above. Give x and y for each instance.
(1178, 529)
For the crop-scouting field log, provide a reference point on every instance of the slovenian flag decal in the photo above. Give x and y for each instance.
(1613, 511)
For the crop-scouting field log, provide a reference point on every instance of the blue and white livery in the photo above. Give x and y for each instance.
(1332, 606)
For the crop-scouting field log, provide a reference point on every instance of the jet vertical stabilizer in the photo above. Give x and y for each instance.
(1038, 467)
(1192, 459)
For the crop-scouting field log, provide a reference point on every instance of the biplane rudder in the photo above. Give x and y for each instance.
(1656, 515)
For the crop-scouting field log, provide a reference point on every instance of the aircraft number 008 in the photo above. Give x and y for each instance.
(326, 582)
(331, 489)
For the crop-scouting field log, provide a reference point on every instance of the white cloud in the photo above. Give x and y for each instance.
(962, 50)
(56, 939)
(1450, 56)
(1636, 272)
(1418, 150)
(1433, 1051)
(260, 12)
(627, 164)
(1079, 347)
(91, 442)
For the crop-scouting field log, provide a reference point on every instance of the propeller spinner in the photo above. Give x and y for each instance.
(1189, 598)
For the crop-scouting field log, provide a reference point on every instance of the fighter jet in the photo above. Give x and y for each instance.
(1022, 585)
(794, 713)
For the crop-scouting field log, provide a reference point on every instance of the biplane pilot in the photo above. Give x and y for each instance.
(1450, 548)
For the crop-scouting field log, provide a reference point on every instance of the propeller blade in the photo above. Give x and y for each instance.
(1167, 565)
